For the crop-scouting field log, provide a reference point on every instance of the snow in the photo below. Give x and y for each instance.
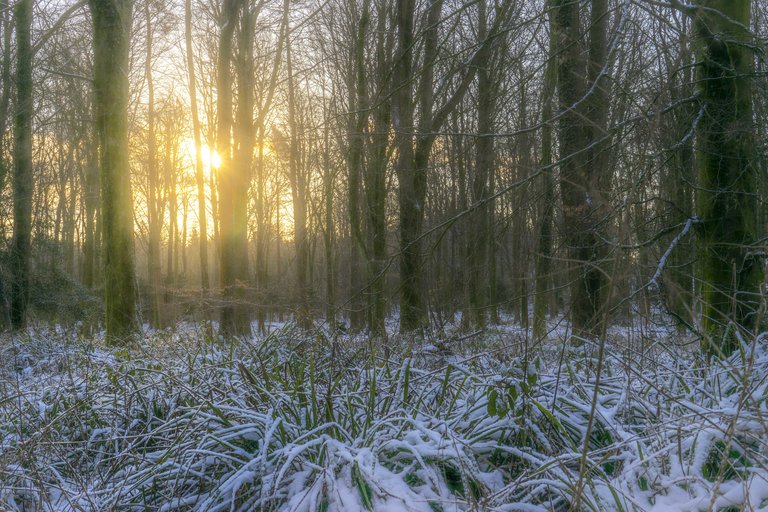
(273, 423)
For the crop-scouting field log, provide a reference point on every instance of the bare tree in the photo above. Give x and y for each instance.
(202, 214)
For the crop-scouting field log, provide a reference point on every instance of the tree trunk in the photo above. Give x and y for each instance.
(22, 169)
(376, 199)
(543, 283)
(414, 145)
(262, 223)
(111, 41)
(679, 185)
(153, 247)
(234, 321)
(582, 180)
(299, 195)
(477, 248)
(412, 311)
(244, 138)
(357, 124)
(91, 206)
(330, 274)
(202, 215)
(731, 272)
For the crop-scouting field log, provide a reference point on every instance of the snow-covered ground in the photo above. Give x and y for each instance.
(293, 422)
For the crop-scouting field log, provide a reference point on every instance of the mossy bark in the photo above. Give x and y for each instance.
(479, 238)
(231, 186)
(584, 174)
(22, 168)
(730, 270)
(543, 285)
(111, 41)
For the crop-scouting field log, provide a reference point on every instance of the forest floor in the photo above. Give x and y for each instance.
(294, 422)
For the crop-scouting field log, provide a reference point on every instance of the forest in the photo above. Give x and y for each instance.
(383, 255)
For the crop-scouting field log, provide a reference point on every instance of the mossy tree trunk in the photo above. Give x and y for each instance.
(584, 177)
(357, 123)
(376, 181)
(730, 270)
(479, 238)
(22, 169)
(111, 41)
(232, 266)
(543, 284)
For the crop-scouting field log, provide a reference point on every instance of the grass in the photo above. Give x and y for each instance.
(312, 423)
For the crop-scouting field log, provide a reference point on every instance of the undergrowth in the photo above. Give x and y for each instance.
(310, 423)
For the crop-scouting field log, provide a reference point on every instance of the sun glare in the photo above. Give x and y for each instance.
(214, 160)
(211, 159)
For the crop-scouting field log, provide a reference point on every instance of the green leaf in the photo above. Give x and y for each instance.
(366, 494)
(492, 396)
(453, 479)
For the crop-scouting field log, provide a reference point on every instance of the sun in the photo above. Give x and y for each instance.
(211, 159)
(214, 160)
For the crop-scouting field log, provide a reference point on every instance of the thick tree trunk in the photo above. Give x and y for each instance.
(112, 29)
(376, 192)
(731, 273)
(582, 181)
(357, 124)
(234, 321)
(244, 138)
(412, 314)
(478, 234)
(22, 169)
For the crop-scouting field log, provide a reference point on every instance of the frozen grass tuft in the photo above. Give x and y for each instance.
(308, 423)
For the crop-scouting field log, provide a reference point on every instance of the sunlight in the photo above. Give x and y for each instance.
(211, 159)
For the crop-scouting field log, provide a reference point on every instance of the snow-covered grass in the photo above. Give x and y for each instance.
(315, 423)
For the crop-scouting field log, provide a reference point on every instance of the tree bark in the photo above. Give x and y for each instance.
(153, 247)
(112, 29)
(583, 180)
(478, 236)
(234, 320)
(202, 214)
(412, 311)
(731, 270)
(22, 169)
(300, 201)
(357, 125)
(544, 240)
(376, 193)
